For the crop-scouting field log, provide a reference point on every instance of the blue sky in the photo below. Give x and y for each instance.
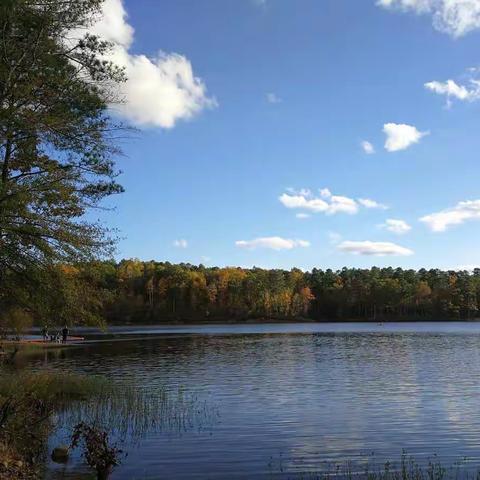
(282, 96)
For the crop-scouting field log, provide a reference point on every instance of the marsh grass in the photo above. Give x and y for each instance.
(27, 403)
(45, 403)
(130, 413)
(408, 468)
(50, 386)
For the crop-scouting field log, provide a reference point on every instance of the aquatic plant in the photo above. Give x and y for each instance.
(28, 402)
(132, 412)
(98, 451)
(409, 468)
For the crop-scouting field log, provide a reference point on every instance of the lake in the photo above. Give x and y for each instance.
(287, 399)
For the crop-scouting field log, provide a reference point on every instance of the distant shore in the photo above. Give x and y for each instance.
(290, 320)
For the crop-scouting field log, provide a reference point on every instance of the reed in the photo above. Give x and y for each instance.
(408, 468)
(130, 412)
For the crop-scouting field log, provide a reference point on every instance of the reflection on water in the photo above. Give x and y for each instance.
(289, 402)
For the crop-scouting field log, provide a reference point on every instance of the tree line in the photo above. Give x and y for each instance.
(136, 291)
(58, 146)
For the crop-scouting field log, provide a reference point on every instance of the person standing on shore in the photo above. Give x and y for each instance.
(45, 333)
(64, 334)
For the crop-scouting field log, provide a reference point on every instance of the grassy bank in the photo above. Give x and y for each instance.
(35, 405)
(28, 402)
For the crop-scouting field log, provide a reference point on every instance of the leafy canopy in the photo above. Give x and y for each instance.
(56, 143)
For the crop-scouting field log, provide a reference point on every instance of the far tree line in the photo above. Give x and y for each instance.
(133, 291)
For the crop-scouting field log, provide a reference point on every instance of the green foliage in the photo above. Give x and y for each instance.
(156, 292)
(56, 144)
(27, 404)
(395, 293)
(32, 405)
(162, 291)
(16, 320)
(51, 387)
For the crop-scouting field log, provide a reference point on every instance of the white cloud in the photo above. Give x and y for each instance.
(460, 213)
(325, 193)
(302, 201)
(341, 204)
(274, 243)
(455, 17)
(112, 24)
(453, 90)
(160, 90)
(369, 203)
(303, 191)
(396, 226)
(449, 88)
(400, 136)
(273, 98)
(302, 216)
(367, 147)
(373, 248)
(180, 243)
(335, 204)
(329, 204)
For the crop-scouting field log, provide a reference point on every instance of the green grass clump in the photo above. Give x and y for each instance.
(29, 402)
(50, 386)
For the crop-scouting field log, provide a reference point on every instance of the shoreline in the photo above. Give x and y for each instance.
(42, 344)
(283, 321)
(116, 332)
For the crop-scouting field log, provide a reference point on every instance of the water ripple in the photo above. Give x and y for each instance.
(294, 402)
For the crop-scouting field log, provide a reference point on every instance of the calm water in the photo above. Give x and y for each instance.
(289, 398)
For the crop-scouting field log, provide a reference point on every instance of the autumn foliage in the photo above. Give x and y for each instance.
(160, 292)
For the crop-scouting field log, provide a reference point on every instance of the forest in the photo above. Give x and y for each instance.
(156, 292)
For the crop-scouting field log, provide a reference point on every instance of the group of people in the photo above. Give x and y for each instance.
(59, 336)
